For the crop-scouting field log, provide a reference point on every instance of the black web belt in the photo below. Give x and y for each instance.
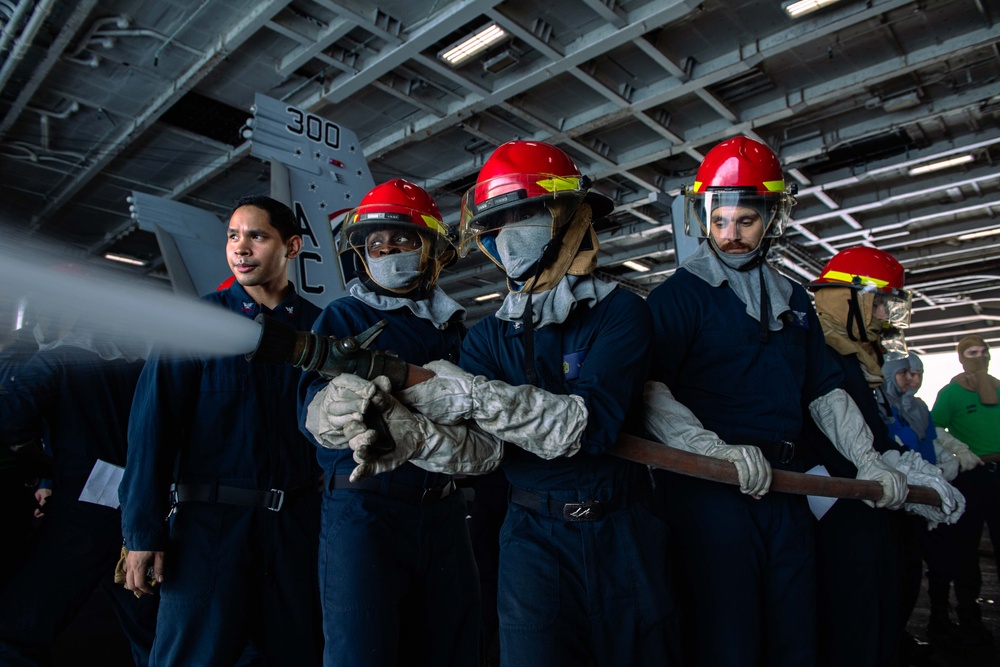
(211, 492)
(411, 494)
(584, 510)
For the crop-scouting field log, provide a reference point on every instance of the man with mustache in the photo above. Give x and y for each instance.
(741, 349)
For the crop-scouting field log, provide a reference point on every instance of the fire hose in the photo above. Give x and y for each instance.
(328, 356)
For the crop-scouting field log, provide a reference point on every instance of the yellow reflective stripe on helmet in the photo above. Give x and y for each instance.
(849, 278)
(434, 224)
(559, 183)
(774, 186)
(697, 186)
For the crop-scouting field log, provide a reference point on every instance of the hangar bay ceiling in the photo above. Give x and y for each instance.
(102, 97)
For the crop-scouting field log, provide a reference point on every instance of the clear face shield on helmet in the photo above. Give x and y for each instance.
(397, 232)
(892, 310)
(504, 202)
(710, 214)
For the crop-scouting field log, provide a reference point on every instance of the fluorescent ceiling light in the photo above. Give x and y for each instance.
(487, 297)
(123, 259)
(943, 164)
(979, 235)
(635, 266)
(477, 42)
(803, 7)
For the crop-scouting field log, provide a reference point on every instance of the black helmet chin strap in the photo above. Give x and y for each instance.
(763, 333)
(550, 251)
(854, 316)
(548, 255)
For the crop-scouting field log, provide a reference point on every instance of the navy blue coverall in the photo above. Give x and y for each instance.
(82, 403)
(931, 546)
(575, 592)
(396, 571)
(225, 431)
(17, 475)
(859, 562)
(748, 565)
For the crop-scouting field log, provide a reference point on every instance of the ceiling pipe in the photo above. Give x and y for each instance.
(81, 10)
(84, 43)
(24, 42)
(109, 147)
(170, 39)
(72, 108)
(13, 24)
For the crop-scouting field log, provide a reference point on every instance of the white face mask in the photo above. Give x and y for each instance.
(520, 244)
(395, 271)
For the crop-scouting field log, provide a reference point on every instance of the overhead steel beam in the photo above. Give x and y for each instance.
(396, 53)
(588, 46)
(53, 53)
(333, 32)
(807, 98)
(260, 14)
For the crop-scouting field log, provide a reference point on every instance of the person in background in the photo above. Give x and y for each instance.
(220, 501)
(969, 409)
(864, 553)
(77, 391)
(911, 425)
(20, 468)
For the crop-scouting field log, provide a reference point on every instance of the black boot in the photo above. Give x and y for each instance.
(913, 652)
(940, 629)
(971, 631)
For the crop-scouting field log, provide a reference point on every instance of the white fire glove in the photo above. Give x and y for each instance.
(336, 413)
(545, 424)
(675, 425)
(921, 473)
(947, 461)
(840, 420)
(966, 459)
(433, 447)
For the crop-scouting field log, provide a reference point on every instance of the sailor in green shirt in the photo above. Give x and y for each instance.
(969, 407)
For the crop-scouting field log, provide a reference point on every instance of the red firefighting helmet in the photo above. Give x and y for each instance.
(739, 172)
(520, 172)
(401, 205)
(862, 267)
(869, 269)
(396, 203)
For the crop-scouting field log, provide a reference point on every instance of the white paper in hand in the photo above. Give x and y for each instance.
(102, 485)
(819, 505)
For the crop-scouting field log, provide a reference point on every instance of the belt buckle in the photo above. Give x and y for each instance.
(276, 506)
(787, 451)
(588, 510)
(172, 499)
